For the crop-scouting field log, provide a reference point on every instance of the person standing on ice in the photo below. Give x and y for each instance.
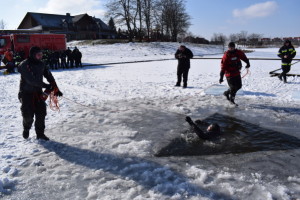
(31, 96)
(230, 66)
(183, 55)
(287, 52)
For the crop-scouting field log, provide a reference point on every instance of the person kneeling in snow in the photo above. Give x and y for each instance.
(31, 96)
(213, 130)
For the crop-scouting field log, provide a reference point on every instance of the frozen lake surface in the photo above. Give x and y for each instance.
(121, 131)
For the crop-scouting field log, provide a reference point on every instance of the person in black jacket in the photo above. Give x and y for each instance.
(287, 52)
(31, 96)
(183, 55)
(68, 54)
(213, 131)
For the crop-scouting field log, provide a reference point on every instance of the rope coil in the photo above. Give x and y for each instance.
(53, 101)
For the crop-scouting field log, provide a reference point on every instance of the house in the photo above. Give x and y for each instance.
(78, 27)
(266, 39)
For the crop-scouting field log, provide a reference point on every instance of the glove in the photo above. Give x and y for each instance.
(221, 76)
(189, 120)
(247, 66)
(58, 93)
(221, 80)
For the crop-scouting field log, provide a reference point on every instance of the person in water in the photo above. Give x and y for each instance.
(213, 130)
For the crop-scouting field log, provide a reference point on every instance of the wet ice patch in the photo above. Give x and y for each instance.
(218, 90)
(296, 95)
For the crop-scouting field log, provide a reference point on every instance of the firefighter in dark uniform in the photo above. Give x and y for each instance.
(68, 54)
(287, 52)
(230, 66)
(32, 71)
(183, 55)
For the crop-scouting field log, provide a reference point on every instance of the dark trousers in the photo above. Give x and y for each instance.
(78, 63)
(285, 69)
(182, 73)
(63, 63)
(234, 83)
(32, 107)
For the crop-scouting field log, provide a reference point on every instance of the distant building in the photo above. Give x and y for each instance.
(78, 27)
(297, 39)
(266, 39)
(277, 39)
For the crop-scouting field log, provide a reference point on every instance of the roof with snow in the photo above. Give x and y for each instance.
(56, 21)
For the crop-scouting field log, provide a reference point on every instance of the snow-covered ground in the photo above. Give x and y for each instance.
(114, 118)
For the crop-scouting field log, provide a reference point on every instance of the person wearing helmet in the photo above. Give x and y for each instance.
(213, 130)
(287, 52)
(32, 71)
(230, 67)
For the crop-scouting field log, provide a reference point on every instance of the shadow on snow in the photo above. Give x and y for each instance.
(147, 173)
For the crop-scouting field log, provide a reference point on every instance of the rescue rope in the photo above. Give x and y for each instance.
(76, 102)
(53, 102)
(295, 62)
(247, 72)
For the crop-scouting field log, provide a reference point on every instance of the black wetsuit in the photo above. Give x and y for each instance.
(205, 135)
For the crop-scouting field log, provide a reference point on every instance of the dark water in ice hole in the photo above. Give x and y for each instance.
(238, 137)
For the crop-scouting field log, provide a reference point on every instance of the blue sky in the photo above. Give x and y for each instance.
(274, 18)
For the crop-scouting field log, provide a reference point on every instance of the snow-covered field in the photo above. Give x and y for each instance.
(114, 118)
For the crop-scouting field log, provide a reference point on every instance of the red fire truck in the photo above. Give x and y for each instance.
(23, 42)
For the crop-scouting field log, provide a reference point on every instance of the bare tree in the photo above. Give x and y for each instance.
(121, 11)
(233, 37)
(169, 16)
(219, 39)
(254, 39)
(139, 11)
(174, 18)
(147, 7)
(242, 37)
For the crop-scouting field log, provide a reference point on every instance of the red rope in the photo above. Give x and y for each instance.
(247, 72)
(53, 102)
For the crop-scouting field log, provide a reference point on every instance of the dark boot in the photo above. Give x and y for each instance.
(177, 84)
(185, 85)
(226, 94)
(232, 100)
(42, 137)
(25, 133)
(280, 77)
(284, 79)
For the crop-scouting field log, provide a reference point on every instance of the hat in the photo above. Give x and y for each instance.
(34, 50)
(231, 44)
(287, 41)
(215, 128)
